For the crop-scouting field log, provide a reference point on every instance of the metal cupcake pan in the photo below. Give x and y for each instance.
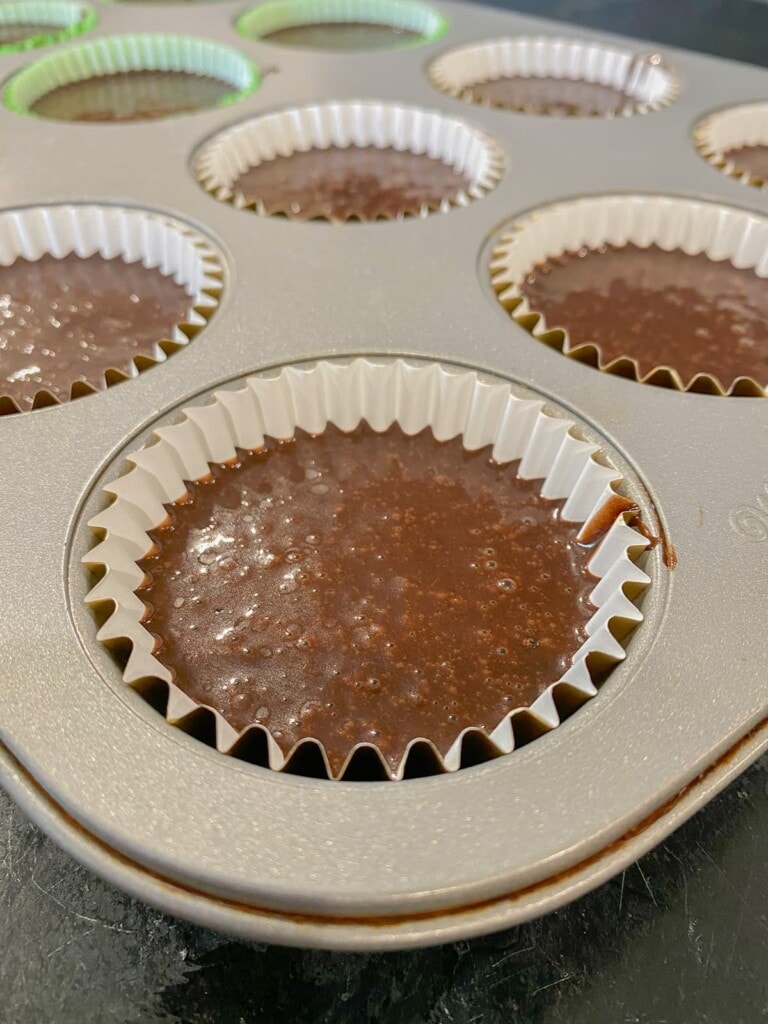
(382, 865)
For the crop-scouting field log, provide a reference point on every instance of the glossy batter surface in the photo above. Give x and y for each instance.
(352, 182)
(72, 319)
(660, 308)
(367, 588)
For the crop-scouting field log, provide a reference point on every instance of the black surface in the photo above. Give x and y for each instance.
(737, 29)
(679, 938)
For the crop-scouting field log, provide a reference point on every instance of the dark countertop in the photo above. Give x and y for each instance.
(679, 938)
(727, 28)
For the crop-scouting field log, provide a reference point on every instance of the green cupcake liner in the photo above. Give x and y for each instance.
(261, 21)
(70, 19)
(119, 54)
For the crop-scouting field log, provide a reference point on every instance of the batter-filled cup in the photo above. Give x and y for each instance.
(350, 161)
(94, 295)
(27, 24)
(660, 289)
(388, 560)
(343, 25)
(735, 141)
(123, 79)
(560, 77)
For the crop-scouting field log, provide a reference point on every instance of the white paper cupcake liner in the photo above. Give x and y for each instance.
(643, 77)
(261, 21)
(453, 403)
(118, 54)
(745, 125)
(58, 22)
(113, 231)
(720, 232)
(469, 151)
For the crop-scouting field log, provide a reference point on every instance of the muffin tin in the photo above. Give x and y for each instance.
(382, 865)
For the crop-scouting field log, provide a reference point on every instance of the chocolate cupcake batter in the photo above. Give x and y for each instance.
(555, 96)
(358, 182)
(64, 321)
(366, 587)
(342, 35)
(16, 32)
(131, 96)
(752, 159)
(660, 308)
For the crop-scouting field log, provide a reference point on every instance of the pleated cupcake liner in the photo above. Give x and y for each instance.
(724, 130)
(453, 403)
(58, 21)
(644, 78)
(469, 151)
(116, 232)
(720, 232)
(259, 22)
(120, 54)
